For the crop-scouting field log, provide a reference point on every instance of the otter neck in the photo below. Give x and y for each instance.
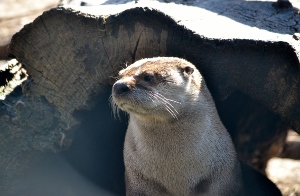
(182, 133)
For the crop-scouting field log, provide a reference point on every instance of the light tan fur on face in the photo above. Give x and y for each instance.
(175, 142)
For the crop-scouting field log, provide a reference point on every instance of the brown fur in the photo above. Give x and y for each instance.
(175, 142)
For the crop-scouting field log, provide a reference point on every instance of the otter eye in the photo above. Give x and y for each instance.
(148, 78)
(189, 70)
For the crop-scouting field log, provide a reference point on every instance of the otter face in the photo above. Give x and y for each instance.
(152, 87)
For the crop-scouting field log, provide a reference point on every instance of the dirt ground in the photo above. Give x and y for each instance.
(286, 172)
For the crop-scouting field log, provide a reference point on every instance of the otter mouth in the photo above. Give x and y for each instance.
(131, 108)
(159, 110)
(125, 105)
(132, 105)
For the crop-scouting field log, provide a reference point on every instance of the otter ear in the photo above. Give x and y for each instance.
(189, 70)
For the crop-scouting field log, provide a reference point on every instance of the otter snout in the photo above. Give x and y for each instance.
(120, 88)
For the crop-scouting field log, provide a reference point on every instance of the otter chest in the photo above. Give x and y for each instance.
(176, 164)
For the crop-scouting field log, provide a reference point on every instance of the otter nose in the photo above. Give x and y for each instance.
(120, 88)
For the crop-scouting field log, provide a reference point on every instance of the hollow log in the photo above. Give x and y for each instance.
(72, 58)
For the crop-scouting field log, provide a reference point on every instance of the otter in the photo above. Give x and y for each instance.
(175, 143)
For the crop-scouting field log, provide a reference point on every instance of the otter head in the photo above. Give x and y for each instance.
(156, 87)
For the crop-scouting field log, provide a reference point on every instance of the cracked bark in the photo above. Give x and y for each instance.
(71, 58)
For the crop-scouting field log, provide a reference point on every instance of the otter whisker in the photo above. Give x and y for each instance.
(151, 98)
(169, 107)
(165, 106)
(172, 100)
(165, 100)
(154, 97)
(115, 108)
(171, 111)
